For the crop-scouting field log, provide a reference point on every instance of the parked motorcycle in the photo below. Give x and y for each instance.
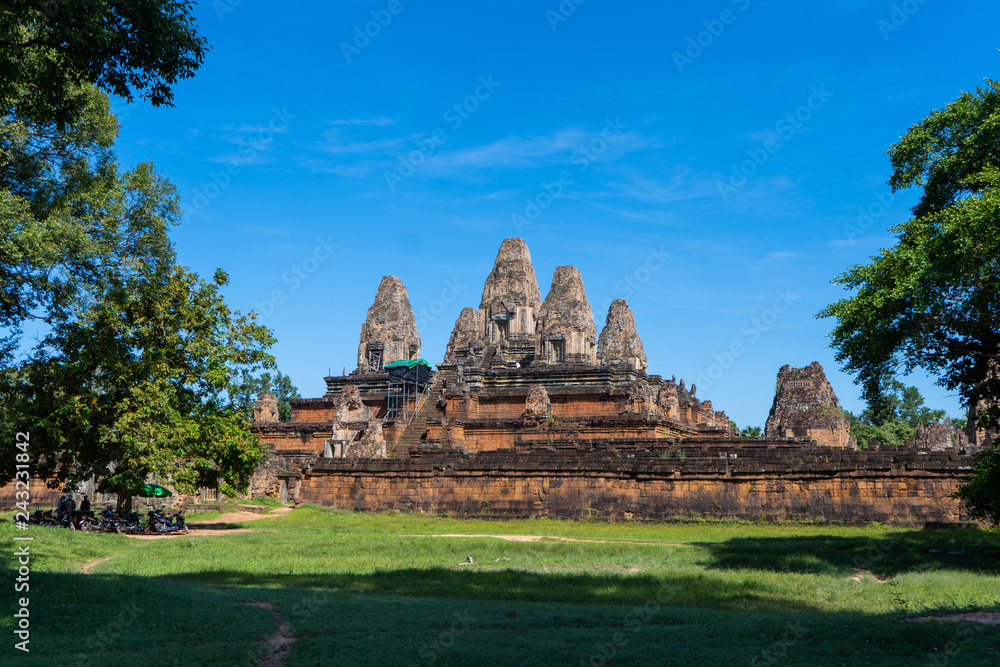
(160, 523)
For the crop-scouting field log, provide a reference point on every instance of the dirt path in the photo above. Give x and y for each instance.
(220, 525)
(281, 641)
(86, 568)
(204, 532)
(235, 517)
(536, 538)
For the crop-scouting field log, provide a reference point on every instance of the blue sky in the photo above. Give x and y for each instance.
(716, 164)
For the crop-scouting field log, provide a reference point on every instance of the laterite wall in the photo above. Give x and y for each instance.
(774, 481)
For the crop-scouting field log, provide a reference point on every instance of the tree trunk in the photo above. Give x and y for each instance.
(124, 504)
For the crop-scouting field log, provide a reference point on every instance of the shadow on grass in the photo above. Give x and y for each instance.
(222, 525)
(889, 555)
(112, 620)
(515, 585)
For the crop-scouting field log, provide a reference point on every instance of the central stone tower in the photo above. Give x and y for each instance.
(510, 303)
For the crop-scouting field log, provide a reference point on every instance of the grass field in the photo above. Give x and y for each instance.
(364, 589)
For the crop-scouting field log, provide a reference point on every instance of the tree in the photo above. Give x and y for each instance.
(245, 395)
(56, 135)
(902, 404)
(69, 217)
(751, 432)
(138, 358)
(887, 433)
(138, 387)
(49, 48)
(981, 493)
(931, 300)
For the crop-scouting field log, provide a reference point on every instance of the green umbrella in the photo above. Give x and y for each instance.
(155, 491)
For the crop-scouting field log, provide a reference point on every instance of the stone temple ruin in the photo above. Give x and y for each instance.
(529, 399)
(806, 407)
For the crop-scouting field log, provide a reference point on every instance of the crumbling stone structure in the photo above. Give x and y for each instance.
(976, 434)
(805, 406)
(566, 329)
(511, 300)
(371, 445)
(356, 431)
(389, 333)
(466, 342)
(619, 344)
(537, 405)
(939, 437)
(265, 410)
(513, 419)
(645, 481)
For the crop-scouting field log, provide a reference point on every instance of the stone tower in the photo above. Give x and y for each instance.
(619, 344)
(566, 332)
(390, 331)
(511, 297)
(806, 407)
(466, 338)
(265, 410)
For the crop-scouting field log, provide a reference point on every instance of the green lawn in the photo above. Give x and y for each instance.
(376, 589)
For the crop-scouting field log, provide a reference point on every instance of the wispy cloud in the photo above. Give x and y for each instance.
(348, 148)
(377, 122)
(778, 256)
(559, 147)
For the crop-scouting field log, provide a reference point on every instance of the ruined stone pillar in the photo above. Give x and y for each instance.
(619, 344)
(805, 406)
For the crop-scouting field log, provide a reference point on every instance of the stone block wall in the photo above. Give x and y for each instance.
(41, 495)
(626, 481)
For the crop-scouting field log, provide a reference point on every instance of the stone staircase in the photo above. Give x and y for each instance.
(413, 434)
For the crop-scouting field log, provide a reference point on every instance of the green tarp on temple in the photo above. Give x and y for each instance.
(408, 363)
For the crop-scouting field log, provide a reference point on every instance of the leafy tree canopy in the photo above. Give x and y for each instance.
(124, 47)
(137, 388)
(931, 300)
(902, 404)
(136, 359)
(139, 358)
